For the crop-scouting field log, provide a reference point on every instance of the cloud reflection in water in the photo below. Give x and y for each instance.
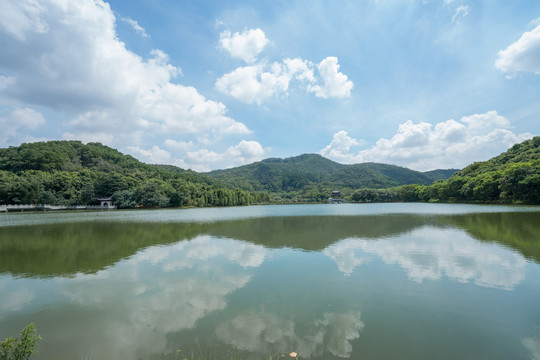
(428, 253)
(264, 332)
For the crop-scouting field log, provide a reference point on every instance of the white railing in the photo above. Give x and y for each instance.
(22, 207)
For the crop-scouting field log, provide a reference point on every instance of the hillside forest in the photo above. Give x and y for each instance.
(73, 173)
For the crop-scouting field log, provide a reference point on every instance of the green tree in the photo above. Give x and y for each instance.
(125, 199)
(20, 349)
(151, 195)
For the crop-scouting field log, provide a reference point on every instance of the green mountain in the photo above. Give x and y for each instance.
(53, 156)
(511, 177)
(72, 173)
(306, 170)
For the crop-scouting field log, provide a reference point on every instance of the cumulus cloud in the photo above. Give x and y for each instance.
(335, 83)
(244, 152)
(179, 145)
(17, 119)
(340, 147)
(523, 55)
(253, 84)
(261, 80)
(246, 45)
(257, 82)
(66, 57)
(20, 18)
(422, 146)
(155, 155)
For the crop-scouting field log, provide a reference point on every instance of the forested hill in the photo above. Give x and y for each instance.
(296, 173)
(511, 177)
(72, 173)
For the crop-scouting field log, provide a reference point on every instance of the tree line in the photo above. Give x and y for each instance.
(71, 173)
(85, 187)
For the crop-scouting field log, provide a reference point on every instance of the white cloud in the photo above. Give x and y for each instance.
(335, 83)
(28, 118)
(523, 55)
(246, 45)
(245, 152)
(17, 119)
(155, 155)
(179, 145)
(261, 80)
(252, 84)
(66, 57)
(340, 147)
(257, 82)
(301, 69)
(135, 25)
(203, 156)
(422, 146)
(461, 12)
(22, 17)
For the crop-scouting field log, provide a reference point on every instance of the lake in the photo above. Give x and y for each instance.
(358, 281)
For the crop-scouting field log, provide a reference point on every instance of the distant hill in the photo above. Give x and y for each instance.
(72, 156)
(73, 173)
(511, 177)
(527, 152)
(297, 172)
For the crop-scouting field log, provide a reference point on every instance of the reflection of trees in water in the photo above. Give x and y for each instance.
(131, 310)
(68, 249)
(156, 292)
(71, 248)
(517, 230)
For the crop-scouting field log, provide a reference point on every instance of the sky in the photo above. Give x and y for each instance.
(206, 85)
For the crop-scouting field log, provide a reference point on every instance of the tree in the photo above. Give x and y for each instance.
(20, 349)
(124, 199)
(151, 195)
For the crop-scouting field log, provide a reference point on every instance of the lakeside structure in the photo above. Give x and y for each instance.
(37, 207)
(335, 198)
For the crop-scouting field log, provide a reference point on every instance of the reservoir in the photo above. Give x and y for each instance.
(348, 281)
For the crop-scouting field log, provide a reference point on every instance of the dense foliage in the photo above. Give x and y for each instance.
(512, 177)
(71, 173)
(310, 171)
(20, 348)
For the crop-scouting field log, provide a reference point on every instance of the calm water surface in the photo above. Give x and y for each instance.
(374, 281)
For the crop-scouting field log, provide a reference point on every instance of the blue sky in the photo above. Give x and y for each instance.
(214, 84)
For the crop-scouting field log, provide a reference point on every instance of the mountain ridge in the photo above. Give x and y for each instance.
(70, 172)
(276, 174)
